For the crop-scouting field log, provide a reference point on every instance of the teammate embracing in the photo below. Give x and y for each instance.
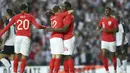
(56, 39)
(109, 27)
(68, 39)
(23, 22)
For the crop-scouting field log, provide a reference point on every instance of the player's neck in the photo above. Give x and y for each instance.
(23, 12)
(8, 17)
(108, 16)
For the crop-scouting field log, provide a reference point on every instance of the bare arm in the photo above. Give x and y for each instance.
(64, 29)
(37, 25)
(70, 11)
(98, 28)
(114, 30)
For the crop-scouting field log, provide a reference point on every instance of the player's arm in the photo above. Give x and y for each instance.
(63, 14)
(64, 29)
(114, 30)
(123, 34)
(7, 27)
(37, 25)
(67, 22)
(99, 25)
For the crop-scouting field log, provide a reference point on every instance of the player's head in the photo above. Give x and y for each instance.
(118, 18)
(49, 13)
(9, 13)
(108, 11)
(56, 9)
(67, 6)
(24, 7)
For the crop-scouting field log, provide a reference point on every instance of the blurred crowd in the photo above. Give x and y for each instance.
(87, 15)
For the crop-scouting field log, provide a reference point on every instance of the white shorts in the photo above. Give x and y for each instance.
(111, 46)
(56, 45)
(69, 46)
(22, 45)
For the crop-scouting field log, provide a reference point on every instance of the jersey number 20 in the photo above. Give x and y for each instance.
(23, 24)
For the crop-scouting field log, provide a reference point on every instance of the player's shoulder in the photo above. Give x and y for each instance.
(113, 17)
(17, 15)
(28, 15)
(102, 18)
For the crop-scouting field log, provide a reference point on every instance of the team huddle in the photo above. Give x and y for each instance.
(62, 28)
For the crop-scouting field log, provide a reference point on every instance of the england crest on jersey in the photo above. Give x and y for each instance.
(109, 23)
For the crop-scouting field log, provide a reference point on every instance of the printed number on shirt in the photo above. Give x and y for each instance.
(23, 24)
(103, 25)
(54, 23)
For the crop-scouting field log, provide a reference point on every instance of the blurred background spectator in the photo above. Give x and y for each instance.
(87, 14)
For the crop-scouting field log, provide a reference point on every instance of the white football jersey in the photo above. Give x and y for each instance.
(10, 40)
(119, 35)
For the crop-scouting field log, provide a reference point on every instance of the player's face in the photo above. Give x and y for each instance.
(60, 10)
(63, 7)
(107, 12)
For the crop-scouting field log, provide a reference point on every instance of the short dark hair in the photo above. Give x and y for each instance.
(10, 12)
(108, 8)
(56, 8)
(67, 5)
(23, 6)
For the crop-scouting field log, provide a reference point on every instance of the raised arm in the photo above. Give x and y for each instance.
(63, 14)
(7, 27)
(37, 25)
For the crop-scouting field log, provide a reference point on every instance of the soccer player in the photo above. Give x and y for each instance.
(68, 38)
(23, 22)
(109, 26)
(8, 42)
(122, 47)
(56, 39)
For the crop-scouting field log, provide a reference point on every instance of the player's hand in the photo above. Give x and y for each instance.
(48, 29)
(97, 29)
(70, 11)
(105, 30)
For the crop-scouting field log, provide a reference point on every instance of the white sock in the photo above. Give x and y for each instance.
(6, 64)
(19, 66)
(12, 66)
(124, 64)
(118, 62)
